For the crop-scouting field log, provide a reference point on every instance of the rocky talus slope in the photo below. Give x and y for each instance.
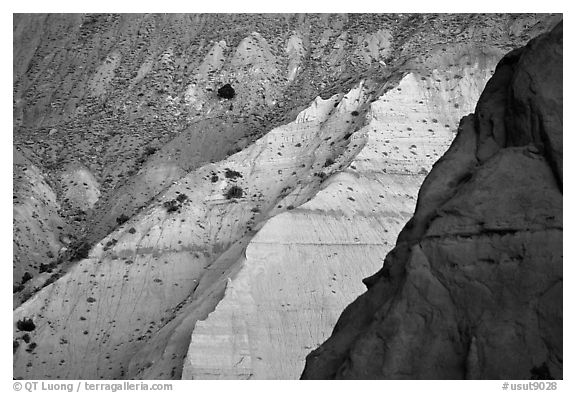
(473, 287)
(204, 237)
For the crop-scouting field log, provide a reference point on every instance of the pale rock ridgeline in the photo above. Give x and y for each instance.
(159, 143)
(93, 321)
(305, 265)
(132, 98)
(473, 287)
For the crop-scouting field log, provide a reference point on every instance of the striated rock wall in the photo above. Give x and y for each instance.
(473, 288)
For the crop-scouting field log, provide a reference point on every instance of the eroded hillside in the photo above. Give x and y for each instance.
(206, 237)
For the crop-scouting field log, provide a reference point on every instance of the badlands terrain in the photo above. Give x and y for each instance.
(165, 228)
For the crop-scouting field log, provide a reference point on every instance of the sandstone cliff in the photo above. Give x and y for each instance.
(179, 208)
(473, 288)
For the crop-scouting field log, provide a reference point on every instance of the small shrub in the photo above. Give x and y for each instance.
(149, 150)
(214, 178)
(46, 267)
(110, 243)
(234, 192)
(90, 300)
(25, 324)
(81, 252)
(122, 219)
(132, 230)
(182, 198)
(355, 113)
(171, 206)
(26, 277)
(51, 279)
(230, 174)
(328, 162)
(31, 347)
(226, 91)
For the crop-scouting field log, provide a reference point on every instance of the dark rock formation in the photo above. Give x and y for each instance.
(473, 288)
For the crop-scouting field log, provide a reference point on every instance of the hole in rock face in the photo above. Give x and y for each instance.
(226, 91)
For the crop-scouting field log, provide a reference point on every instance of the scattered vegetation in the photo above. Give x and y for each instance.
(171, 206)
(46, 267)
(26, 277)
(175, 204)
(226, 91)
(234, 192)
(182, 198)
(51, 279)
(81, 252)
(230, 174)
(122, 219)
(149, 150)
(31, 347)
(25, 324)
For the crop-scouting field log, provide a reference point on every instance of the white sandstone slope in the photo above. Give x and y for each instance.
(129, 310)
(305, 265)
(350, 112)
(93, 320)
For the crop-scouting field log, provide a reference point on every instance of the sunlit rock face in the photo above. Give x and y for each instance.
(305, 265)
(473, 287)
(201, 236)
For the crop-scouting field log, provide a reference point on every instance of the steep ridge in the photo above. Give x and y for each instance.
(142, 156)
(152, 265)
(131, 99)
(473, 288)
(301, 259)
